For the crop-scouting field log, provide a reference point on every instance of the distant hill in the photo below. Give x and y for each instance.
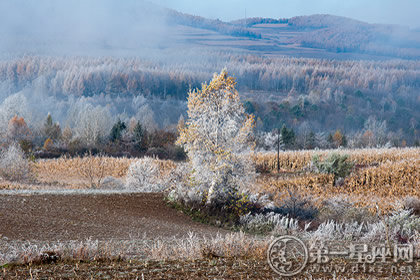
(338, 35)
(107, 27)
(174, 17)
(319, 36)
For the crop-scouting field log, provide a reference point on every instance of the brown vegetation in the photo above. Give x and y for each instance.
(381, 177)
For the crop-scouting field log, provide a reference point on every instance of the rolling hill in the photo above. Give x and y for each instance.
(135, 27)
(319, 36)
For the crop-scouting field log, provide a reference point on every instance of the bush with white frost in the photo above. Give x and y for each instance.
(270, 222)
(13, 164)
(340, 209)
(179, 182)
(399, 226)
(404, 223)
(144, 176)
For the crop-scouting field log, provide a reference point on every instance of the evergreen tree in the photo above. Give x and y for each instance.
(117, 131)
(310, 141)
(140, 137)
(51, 130)
(288, 137)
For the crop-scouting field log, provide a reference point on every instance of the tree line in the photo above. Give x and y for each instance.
(327, 95)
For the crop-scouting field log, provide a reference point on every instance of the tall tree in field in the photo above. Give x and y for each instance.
(218, 137)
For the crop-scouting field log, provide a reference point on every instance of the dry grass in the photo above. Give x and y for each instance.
(85, 172)
(191, 247)
(233, 245)
(181, 259)
(292, 161)
(382, 177)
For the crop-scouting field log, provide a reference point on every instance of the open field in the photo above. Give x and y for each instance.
(49, 217)
(108, 231)
(380, 179)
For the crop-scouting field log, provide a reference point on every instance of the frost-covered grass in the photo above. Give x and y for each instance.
(186, 248)
(399, 227)
(47, 252)
(269, 223)
(232, 245)
(67, 191)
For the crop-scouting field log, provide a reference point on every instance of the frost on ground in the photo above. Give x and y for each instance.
(190, 247)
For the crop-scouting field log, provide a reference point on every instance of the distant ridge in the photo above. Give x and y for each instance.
(342, 35)
(129, 27)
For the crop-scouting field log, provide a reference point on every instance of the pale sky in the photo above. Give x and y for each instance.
(402, 12)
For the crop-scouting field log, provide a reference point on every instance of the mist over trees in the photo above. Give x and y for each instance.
(325, 94)
(340, 35)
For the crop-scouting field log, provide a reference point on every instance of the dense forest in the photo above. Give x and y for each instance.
(324, 95)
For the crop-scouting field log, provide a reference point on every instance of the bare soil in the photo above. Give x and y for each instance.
(220, 268)
(50, 217)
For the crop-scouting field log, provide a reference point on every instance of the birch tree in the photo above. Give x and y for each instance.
(218, 138)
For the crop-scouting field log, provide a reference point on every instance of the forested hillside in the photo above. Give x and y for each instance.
(327, 95)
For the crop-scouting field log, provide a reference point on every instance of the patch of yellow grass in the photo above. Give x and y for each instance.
(381, 177)
(66, 172)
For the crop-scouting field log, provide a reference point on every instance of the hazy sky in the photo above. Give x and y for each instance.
(403, 12)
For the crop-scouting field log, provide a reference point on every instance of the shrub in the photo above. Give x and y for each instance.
(266, 223)
(193, 201)
(26, 146)
(48, 144)
(13, 164)
(412, 203)
(343, 211)
(92, 168)
(144, 176)
(158, 152)
(335, 164)
(297, 207)
(117, 131)
(51, 130)
(112, 183)
(403, 224)
(401, 227)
